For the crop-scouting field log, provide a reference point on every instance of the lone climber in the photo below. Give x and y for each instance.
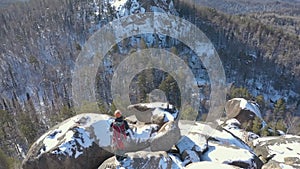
(120, 129)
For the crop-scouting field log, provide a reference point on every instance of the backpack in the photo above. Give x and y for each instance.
(119, 134)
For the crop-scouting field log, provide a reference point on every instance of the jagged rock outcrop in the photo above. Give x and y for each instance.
(278, 152)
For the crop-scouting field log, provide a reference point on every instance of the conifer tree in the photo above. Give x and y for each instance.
(256, 127)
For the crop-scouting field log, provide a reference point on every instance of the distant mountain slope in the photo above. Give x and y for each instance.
(5, 3)
(291, 7)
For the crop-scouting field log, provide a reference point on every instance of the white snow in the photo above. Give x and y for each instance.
(226, 155)
(208, 164)
(263, 139)
(103, 133)
(281, 132)
(161, 108)
(144, 133)
(284, 150)
(156, 9)
(20, 149)
(284, 166)
(244, 104)
(117, 4)
(233, 126)
(158, 105)
(163, 163)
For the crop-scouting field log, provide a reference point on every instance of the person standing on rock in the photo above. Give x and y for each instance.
(120, 129)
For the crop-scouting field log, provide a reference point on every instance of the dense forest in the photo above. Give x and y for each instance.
(41, 39)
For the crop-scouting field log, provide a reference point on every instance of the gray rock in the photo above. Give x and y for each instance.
(84, 141)
(141, 159)
(242, 110)
(223, 147)
(144, 112)
(190, 156)
(185, 143)
(72, 144)
(166, 137)
(272, 165)
(278, 151)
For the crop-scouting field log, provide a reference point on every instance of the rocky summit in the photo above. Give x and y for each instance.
(84, 141)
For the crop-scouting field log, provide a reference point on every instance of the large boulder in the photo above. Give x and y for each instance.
(84, 141)
(166, 137)
(80, 142)
(142, 159)
(242, 110)
(189, 151)
(279, 151)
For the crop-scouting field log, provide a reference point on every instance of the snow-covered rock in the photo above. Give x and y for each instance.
(190, 156)
(223, 146)
(79, 142)
(212, 165)
(84, 141)
(185, 143)
(149, 112)
(243, 110)
(142, 159)
(279, 151)
(234, 127)
(226, 154)
(166, 137)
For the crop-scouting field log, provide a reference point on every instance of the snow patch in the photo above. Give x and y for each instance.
(284, 150)
(284, 166)
(217, 153)
(144, 133)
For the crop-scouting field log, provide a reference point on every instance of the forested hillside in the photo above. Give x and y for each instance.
(41, 39)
